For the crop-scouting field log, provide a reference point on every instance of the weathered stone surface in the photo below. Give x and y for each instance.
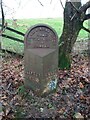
(41, 59)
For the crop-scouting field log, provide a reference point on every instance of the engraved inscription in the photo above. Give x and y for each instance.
(41, 59)
(41, 37)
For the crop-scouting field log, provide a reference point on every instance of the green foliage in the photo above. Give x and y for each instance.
(50, 105)
(19, 114)
(22, 91)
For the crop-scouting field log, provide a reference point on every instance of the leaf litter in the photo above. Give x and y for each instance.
(71, 99)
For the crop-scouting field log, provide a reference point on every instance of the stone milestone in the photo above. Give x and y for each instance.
(41, 59)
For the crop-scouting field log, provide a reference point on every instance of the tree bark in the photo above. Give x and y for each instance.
(73, 23)
(3, 18)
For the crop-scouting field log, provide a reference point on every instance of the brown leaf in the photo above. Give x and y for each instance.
(82, 97)
(81, 85)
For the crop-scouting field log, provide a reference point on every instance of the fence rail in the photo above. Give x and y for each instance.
(12, 38)
(13, 30)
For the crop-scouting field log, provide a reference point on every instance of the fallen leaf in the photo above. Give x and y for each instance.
(81, 85)
(82, 97)
(78, 115)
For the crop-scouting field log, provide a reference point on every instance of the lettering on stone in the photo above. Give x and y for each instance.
(41, 58)
(41, 37)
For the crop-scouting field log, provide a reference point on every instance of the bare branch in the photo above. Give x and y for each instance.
(86, 29)
(61, 4)
(50, 1)
(85, 7)
(40, 3)
(87, 17)
(81, 10)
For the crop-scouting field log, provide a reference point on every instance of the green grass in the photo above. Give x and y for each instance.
(24, 24)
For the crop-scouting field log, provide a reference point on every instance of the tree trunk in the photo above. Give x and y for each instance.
(69, 35)
(3, 17)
